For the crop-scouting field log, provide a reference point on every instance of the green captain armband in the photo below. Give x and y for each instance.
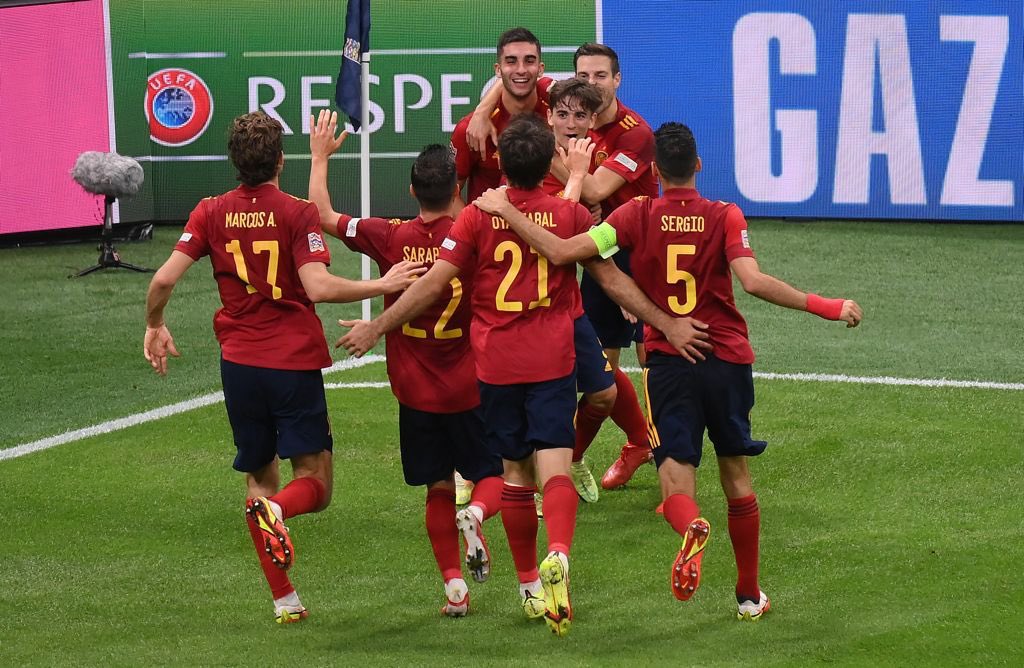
(605, 238)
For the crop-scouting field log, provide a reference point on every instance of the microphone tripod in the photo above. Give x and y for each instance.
(109, 257)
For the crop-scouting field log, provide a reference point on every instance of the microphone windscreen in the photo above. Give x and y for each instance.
(108, 174)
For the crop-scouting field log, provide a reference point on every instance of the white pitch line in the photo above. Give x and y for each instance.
(352, 363)
(155, 414)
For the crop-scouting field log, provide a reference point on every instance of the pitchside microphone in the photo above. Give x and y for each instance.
(112, 176)
(108, 174)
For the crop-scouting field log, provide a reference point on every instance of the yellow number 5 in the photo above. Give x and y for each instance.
(235, 248)
(675, 275)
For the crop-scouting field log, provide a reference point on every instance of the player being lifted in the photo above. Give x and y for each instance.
(270, 263)
(621, 170)
(521, 333)
(685, 250)
(430, 362)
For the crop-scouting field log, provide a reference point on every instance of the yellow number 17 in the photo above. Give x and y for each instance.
(235, 248)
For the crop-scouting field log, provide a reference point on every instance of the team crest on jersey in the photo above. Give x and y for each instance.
(179, 106)
(316, 242)
(600, 157)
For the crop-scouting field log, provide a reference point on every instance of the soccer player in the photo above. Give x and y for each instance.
(685, 250)
(519, 66)
(621, 170)
(430, 362)
(522, 334)
(270, 263)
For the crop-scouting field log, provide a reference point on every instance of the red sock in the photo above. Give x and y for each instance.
(278, 580)
(744, 532)
(443, 534)
(487, 495)
(300, 496)
(519, 516)
(589, 419)
(560, 504)
(680, 510)
(626, 412)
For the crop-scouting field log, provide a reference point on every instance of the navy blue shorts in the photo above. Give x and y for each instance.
(526, 417)
(685, 399)
(593, 370)
(434, 445)
(274, 412)
(612, 328)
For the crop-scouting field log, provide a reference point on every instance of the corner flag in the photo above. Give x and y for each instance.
(347, 92)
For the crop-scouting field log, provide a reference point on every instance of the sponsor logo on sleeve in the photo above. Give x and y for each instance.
(316, 242)
(746, 238)
(626, 162)
(185, 238)
(350, 231)
(448, 243)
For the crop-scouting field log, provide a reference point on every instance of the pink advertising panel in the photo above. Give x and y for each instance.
(53, 106)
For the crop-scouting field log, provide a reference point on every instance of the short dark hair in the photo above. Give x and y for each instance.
(526, 148)
(675, 151)
(433, 177)
(519, 34)
(595, 49)
(254, 146)
(567, 90)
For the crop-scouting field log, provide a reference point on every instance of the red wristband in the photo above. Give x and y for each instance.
(829, 309)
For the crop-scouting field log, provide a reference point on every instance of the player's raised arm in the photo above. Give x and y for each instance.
(555, 249)
(577, 160)
(765, 286)
(480, 127)
(364, 335)
(323, 141)
(686, 334)
(323, 286)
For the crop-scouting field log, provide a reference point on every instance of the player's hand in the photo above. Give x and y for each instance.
(481, 129)
(851, 313)
(323, 137)
(627, 316)
(690, 338)
(595, 213)
(361, 338)
(577, 158)
(493, 201)
(157, 344)
(401, 276)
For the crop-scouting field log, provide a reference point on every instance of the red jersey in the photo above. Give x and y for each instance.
(523, 306)
(681, 248)
(257, 238)
(430, 362)
(625, 146)
(483, 173)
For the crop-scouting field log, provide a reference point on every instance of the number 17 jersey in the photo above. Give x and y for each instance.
(257, 238)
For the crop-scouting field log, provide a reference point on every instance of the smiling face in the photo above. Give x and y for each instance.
(597, 70)
(569, 120)
(519, 67)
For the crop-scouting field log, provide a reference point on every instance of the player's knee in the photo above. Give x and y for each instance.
(603, 400)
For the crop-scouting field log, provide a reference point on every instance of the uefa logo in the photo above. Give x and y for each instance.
(178, 107)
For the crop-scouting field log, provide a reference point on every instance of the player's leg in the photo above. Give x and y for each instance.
(465, 433)
(505, 434)
(549, 409)
(677, 430)
(626, 412)
(444, 542)
(255, 438)
(596, 380)
(731, 399)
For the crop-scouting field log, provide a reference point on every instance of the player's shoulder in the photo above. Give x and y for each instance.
(631, 121)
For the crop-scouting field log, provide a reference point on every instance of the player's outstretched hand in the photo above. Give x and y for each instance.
(156, 346)
(401, 276)
(851, 313)
(479, 130)
(577, 158)
(360, 339)
(690, 338)
(492, 201)
(323, 137)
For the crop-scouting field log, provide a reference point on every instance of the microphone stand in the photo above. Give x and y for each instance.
(109, 257)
